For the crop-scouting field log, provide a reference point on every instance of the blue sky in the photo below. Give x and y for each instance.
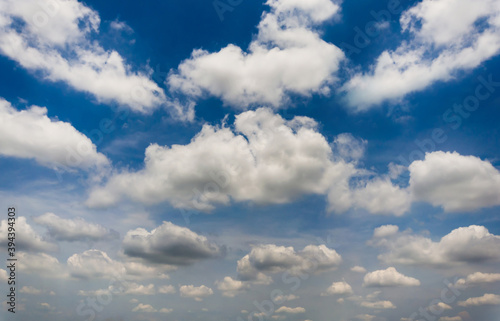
(252, 160)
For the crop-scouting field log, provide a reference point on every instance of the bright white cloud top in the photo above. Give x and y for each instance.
(263, 126)
(287, 57)
(439, 47)
(55, 39)
(31, 134)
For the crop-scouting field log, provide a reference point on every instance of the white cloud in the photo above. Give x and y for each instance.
(462, 245)
(141, 307)
(166, 289)
(365, 317)
(287, 56)
(93, 264)
(31, 134)
(231, 287)
(3, 275)
(441, 306)
(283, 298)
(270, 258)
(478, 278)
(487, 299)
(385, 230)
(378, 305)
(195, 292)
(388, 278)
(289, 310)
(455, 182)
(338, 288)
(358, 269)
(439, 47)
(349, 147)
(26, 237)
(457, 318)
(377, 196)
(169, 244)
(99, 292)
(40, 264)
(55, 38)
(140, 289)
(266, 159)
(76, 229)
(30, 290)
(165, 310)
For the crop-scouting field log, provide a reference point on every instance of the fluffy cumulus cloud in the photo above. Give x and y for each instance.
(195, 292)
(31, 134)
(440, 306)
(41, 264)
(338, 288)
(270, 258)
(147, 308)
(55, 38)
(166, 289)
(289, 310)
(478, 278)
(76, 229)
(169, 244)
(381, 196)
(358, 269)
(378, 305)
(27, 239)
(487, 299)
(438, 48)
(389, 277)
(231, 287)
(93, 264)
(365, 317)
(455, 182)
(385, 230)
(264, 159)
(3, 275)
(139, 289)
(463, 245)
(456, 318)
(286, 56)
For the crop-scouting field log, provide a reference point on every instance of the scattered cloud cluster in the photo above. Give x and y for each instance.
(264, 159)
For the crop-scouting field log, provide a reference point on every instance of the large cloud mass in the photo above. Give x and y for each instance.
(169, 244)
(287, 56)
(440, 46)
(55, 39)
(31, 134)
(472, 244)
